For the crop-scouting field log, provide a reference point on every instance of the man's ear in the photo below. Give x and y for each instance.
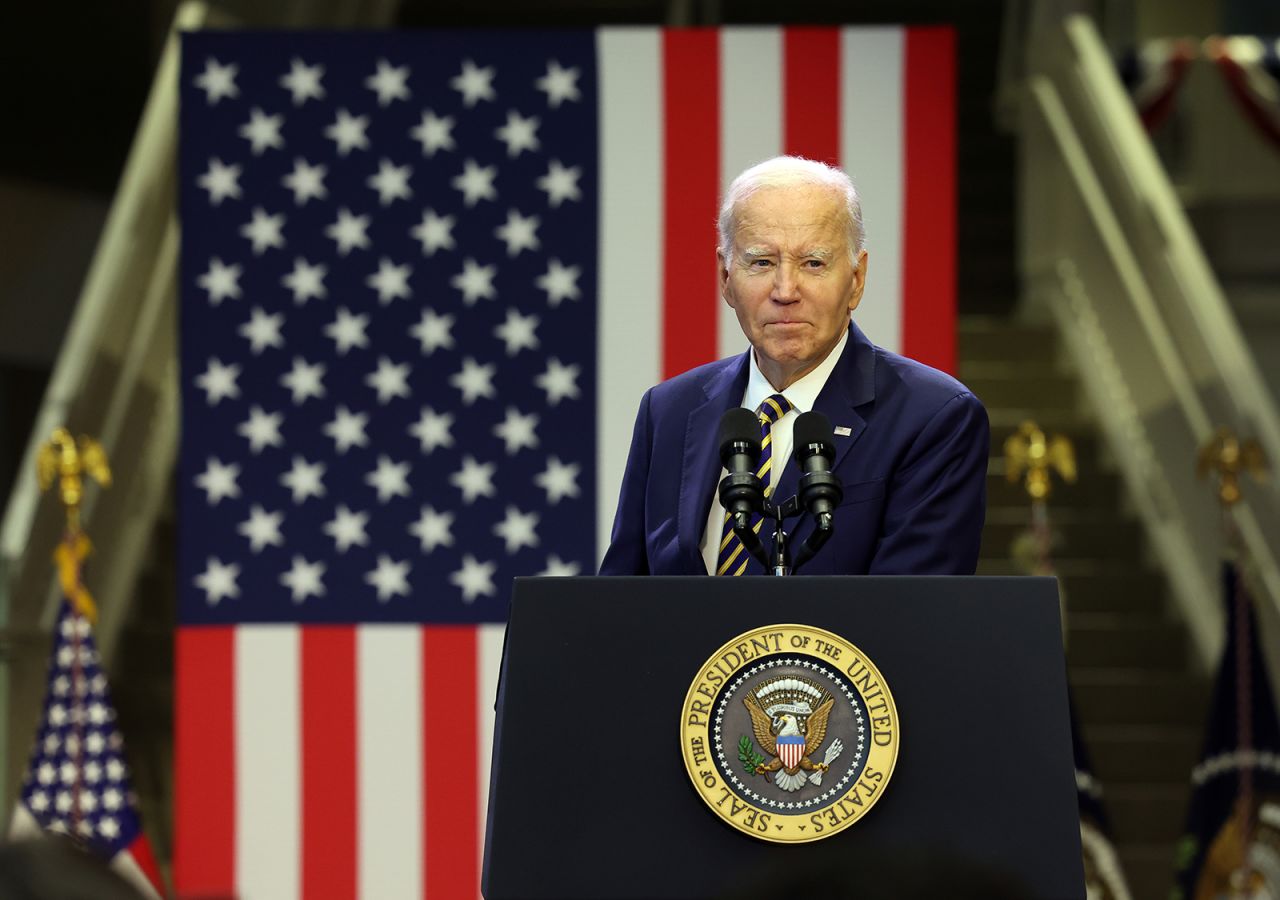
(859, 281)
(722, 274)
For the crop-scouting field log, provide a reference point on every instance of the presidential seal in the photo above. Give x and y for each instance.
(789, 733)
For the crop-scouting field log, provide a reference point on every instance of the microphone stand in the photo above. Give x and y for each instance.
(778, 561)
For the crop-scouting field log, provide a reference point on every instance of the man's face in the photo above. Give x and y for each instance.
(790, 279)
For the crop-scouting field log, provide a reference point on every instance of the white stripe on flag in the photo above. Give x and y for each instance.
(629, 340)
(268, 839)
(389, 751)
(489, 640)
(871, 151)
(750, 127)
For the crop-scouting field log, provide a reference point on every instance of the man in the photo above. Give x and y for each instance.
(911, 442)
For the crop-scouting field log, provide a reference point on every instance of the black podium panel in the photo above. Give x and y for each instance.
(589, 796)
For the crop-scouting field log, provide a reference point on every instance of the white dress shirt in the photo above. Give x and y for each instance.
(803, 394)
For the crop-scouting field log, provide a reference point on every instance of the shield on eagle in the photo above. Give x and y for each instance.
(791, 749)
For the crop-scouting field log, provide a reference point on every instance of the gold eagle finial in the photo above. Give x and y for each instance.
(1229, 456)
(1030, 451)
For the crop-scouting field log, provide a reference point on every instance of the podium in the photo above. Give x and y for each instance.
(589, 796)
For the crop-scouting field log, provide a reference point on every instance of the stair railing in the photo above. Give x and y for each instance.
(1109, 253)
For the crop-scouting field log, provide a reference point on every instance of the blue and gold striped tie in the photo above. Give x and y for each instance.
(733, 558)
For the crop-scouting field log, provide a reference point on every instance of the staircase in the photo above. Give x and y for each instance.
(1141, 704)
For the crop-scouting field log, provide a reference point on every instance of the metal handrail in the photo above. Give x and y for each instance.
(1175, 319)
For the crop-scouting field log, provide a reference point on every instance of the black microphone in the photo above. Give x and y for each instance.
(740, 491)
(820, 490)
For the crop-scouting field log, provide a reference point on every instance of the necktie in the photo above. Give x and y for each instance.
(733, 558)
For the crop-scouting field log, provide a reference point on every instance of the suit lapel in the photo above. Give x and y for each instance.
(852, 384)
(723, 391)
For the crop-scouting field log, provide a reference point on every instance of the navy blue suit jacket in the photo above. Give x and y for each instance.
(914, 470)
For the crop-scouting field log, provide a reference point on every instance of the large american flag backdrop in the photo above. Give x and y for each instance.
(425, 280)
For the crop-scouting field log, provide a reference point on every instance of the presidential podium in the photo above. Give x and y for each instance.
(589, 795)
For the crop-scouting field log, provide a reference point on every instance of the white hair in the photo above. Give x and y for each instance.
(789, 171)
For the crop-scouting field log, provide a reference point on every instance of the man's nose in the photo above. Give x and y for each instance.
(786, 284)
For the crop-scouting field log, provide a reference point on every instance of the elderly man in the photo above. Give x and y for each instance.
(911, 442)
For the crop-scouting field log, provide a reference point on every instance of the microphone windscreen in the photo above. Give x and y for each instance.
(814, 428)
(738, 426)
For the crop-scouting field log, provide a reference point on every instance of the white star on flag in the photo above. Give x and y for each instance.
(264, 231)
(559, 381)
(517, 529)
(219, 381)
(262, 528)
(347, 429)
(348, 231)
(221, 181)
(391, 578)
(347, 528)
(518, 232)
(518, 332)
(434, 232)
(262, 131)
(391, 182)
(218, 81)
(474, 380)
(433, 529)
(390, 281)
(474, 479)
(389, 479)
(221, 281)
(559, 84)
(475, 578)
(390, 380)
(218, 581)
(560, 282)
(304, 380)
(306, 281)
(433, 133)
(476, 182)
(347, 132)
(263, 330)
(433, 429)
(218, 481)
(559, 480)
(560, 183)
(433, 331)
(306, 181)
(304, 579)
(517, 430)
(304, 479)
(475, 84)
(475, 281)
(347, 330)
(303, 82)
(557, 567)
(389, 83)
(519, 133)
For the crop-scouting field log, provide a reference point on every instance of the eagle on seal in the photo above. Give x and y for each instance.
(788, 743)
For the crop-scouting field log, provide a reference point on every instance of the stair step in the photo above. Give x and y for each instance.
(1138, 697)
(1100, 540)
(983, 339)
(1033, 392)
(1147, 813)
(1121, 590)
(1148, 870)
(1142, 754)
(1083, 436)
(1125, 641)
(1101, 489)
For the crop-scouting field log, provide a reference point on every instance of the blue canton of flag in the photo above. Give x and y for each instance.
(77, 782)
(388, 324)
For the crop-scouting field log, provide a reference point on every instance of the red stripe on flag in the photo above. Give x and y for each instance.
(811, 93)
(330, 818)
(451, 749)
(929, 205)
(145, 860)
(204, 821)
(691, 151)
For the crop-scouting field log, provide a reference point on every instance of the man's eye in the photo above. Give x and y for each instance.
(814, 263)
(761, 263)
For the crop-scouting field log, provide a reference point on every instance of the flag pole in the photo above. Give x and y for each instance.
(1229, 458)
(65, 462)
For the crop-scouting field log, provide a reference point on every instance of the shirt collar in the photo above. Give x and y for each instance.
(804, 393)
